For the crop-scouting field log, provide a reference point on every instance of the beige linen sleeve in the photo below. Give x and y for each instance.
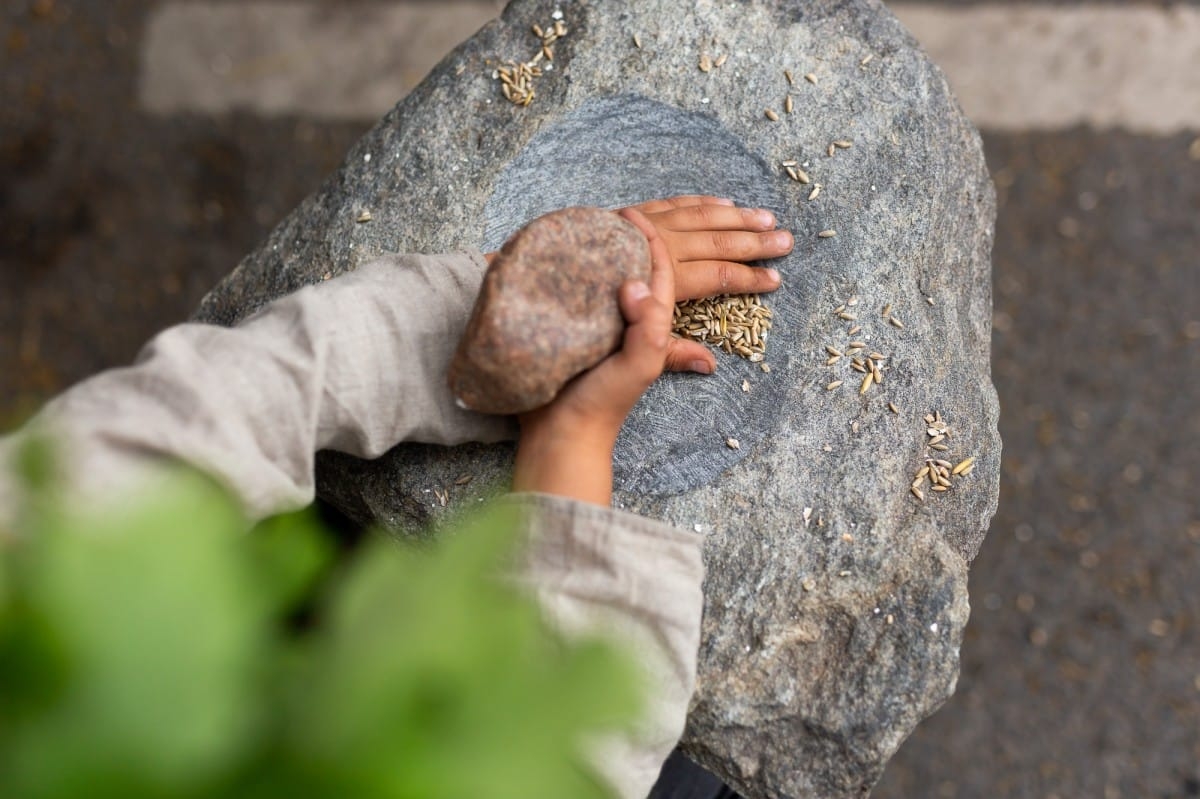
(358, 364)
(597, 570)
(355, 364)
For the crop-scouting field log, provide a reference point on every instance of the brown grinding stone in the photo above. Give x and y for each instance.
(547, 309)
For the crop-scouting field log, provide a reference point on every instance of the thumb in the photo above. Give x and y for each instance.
(685, 355)
(647, 334)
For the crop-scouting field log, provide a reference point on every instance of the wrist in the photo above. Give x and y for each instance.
(555, 456)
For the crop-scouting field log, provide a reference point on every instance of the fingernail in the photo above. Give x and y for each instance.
(781, 238)
(765, 218)
(638, 290)
(703, 367)
(773, 274)
(724, 201)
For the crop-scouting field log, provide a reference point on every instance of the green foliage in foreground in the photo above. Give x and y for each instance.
(161, 651)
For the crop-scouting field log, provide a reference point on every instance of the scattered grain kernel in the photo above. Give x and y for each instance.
(771, 115)
(833, 385)
(892, 407)
(733, 443)
(365, 216)
(811, 78)
(827, 234)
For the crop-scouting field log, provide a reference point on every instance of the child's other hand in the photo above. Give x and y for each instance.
(566, 447)
(710, 240)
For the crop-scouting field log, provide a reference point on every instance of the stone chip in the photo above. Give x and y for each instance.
(547, 309)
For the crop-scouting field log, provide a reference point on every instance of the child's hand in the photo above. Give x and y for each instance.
(566, 446)
(710, 239)
(697, 247)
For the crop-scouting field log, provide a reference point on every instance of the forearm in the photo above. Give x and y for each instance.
(356, 364)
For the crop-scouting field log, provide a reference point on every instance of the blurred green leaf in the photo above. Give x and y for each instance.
(436, 680)
(148, 653)
(288, 554)
(162, 624)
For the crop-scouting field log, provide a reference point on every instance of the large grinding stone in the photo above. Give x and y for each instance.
(835, 601)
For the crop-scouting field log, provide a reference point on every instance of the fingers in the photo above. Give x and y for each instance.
(729, 245)
(682, 201)
(714, 217)
(684, 355)
(662, 269)
(708, 278)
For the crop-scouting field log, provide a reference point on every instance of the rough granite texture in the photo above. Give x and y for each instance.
(835, 602)
(547, 309)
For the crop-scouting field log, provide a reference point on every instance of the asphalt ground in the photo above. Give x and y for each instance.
(1081, 664)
